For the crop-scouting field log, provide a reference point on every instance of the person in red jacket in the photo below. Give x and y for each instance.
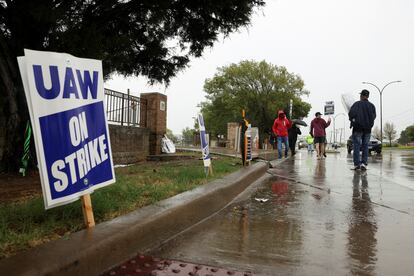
(318, 133)
(280, 129)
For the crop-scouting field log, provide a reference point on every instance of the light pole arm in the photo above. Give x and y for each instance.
(380, 92)
(339, 114)
(388, 84)
(370, 83)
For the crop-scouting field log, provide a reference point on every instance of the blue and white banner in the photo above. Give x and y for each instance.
(65, 96)
(249, 143)
(204, 142)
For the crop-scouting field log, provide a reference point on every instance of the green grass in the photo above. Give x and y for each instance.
(27, 224)
(387, 147)
(406, 147)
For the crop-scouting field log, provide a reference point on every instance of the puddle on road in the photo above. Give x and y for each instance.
(250, 234)
(299, 230)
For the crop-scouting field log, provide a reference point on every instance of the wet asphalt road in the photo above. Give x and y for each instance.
(321, 218)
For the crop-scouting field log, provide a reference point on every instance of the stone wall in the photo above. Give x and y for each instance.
(129, 144)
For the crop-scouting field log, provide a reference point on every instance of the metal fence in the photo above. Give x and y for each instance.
(124, 109)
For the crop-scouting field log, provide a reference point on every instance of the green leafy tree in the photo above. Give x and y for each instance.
(389, 132)
(171, 136)
(260, 88)
(407, 135)
(188, 135)
(153, 38)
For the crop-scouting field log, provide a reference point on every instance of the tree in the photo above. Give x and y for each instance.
(376, 132)
(153, 38)
(171, 136)
(407, 135)
(188, 136)
(389, 132)
(259, 88)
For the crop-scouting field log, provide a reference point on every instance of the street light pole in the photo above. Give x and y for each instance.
(334, 125)
(380, 92)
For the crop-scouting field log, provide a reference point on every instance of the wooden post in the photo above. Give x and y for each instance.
(210, 169)
(87, 211)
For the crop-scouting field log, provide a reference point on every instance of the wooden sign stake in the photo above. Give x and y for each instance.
(87, 211)
(210, 169)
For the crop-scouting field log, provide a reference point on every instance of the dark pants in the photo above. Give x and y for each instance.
(292, 144)
(360, 142)
(273, 141)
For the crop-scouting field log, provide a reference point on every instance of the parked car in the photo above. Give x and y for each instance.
(302, 144)
(373, 145)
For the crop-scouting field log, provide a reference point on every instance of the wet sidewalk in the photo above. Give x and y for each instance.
(313, 217)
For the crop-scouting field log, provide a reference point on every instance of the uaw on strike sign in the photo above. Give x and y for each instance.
(65, 96)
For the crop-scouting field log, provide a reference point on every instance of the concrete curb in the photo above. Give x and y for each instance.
(90, 252)
(266, 155)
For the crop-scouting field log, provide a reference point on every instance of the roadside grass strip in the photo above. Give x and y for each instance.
(27, 224)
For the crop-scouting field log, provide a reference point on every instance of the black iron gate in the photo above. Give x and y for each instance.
(124, 109)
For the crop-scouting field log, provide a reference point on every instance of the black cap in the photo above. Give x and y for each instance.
(318, 113)
(364, 93)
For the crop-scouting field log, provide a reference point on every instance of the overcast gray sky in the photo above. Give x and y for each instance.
(334, 45)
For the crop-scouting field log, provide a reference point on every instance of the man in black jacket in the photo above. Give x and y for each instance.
(293, 133)
(362, 115)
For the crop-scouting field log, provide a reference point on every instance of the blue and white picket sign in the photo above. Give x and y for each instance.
(249, 143)
(204, 143)
(65, 96)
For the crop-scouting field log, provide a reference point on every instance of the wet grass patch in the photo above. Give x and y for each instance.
(406, 147)
(399, 147)
(27, 224)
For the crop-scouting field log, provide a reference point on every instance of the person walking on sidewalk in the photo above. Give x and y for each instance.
(317, 131)
(362, 115)
(309, 141)
(280, 129)
(293, 133)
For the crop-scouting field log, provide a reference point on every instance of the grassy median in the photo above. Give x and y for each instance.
(399, 147)
(27, 224)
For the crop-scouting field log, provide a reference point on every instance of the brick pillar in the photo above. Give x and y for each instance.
(156, 119)
(231, 134)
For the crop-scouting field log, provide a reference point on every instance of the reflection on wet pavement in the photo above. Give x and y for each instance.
(321, 219)
(362, 229)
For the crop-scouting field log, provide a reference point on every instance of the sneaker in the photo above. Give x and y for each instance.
(324, 155)
(363, 167)
(357, 168)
